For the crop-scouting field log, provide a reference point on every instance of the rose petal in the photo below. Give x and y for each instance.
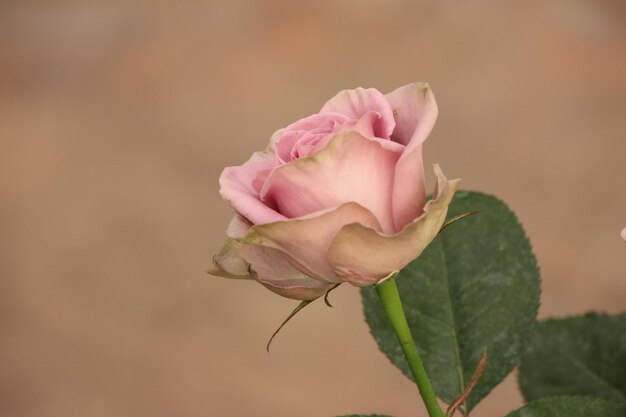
(364, 126)
(325, 121)
(305, 241)
(238, 226)
(320, 124)
(409, 188)
(363, 256)
(238, 187)
(304, 288)
(356, 103)
(269, 267)
(350, 168)
(229, 262)
(416, 111)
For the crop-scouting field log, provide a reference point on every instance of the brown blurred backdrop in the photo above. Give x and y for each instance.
(117, 117)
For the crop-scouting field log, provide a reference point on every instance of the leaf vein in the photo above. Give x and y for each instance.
(577, 363)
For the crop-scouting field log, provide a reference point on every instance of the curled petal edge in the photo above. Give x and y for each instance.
(229, 264)
(269, 267)
(304, 241)
(416, 112)
(363, 256)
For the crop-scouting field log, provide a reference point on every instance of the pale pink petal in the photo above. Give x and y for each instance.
(364, 256)
(305, 241)
(272, 269)
(324, 121)
(409, 188)
(239, 187)
(415, 111)
(302, 288)
(238, 227)
(364, 126)
(317, 125)
(230, 263)
(269, 267)
(350, 168)
(286, 143)
(259, 180)
(356, 103)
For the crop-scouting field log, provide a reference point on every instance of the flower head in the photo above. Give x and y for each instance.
(336, 197)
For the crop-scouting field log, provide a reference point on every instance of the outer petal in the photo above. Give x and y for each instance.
(320, 123)
(229, 262)
(237, 186)
(269, 267)
(350, 168)
(356, 103)
(363, 256)
(409, 188)
(416, 111)
(238, 226)
(305, 241)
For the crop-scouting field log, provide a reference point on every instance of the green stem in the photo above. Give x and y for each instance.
(390, 300)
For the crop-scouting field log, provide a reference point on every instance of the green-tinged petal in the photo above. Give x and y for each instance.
(305, 241)
(415, 110)
(269, 267)
(363, 256)
(350, 168)
(229, 262)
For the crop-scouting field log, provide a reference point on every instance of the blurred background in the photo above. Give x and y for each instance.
(117, 117)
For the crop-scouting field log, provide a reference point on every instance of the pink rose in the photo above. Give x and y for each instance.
(336, 197)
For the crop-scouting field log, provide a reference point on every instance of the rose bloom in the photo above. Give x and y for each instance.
(336, 197)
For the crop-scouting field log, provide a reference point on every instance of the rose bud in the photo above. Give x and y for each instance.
(336, 197)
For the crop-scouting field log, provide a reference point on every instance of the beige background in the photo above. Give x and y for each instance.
(117, 117)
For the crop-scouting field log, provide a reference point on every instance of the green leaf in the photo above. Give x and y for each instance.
(475, 287)
(570, 407)
(577, 356)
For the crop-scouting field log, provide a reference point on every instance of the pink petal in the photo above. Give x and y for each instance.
(409, 188)
(416, 111)
(305, 241)
(276, 273)
(230, 262)
(318, 120)
(350, 168)
(364, 256)
(238, 227)
(239, 187)
(364, 126)
(303, 288)
(356, 103)
(269, 267)
(320, 123)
